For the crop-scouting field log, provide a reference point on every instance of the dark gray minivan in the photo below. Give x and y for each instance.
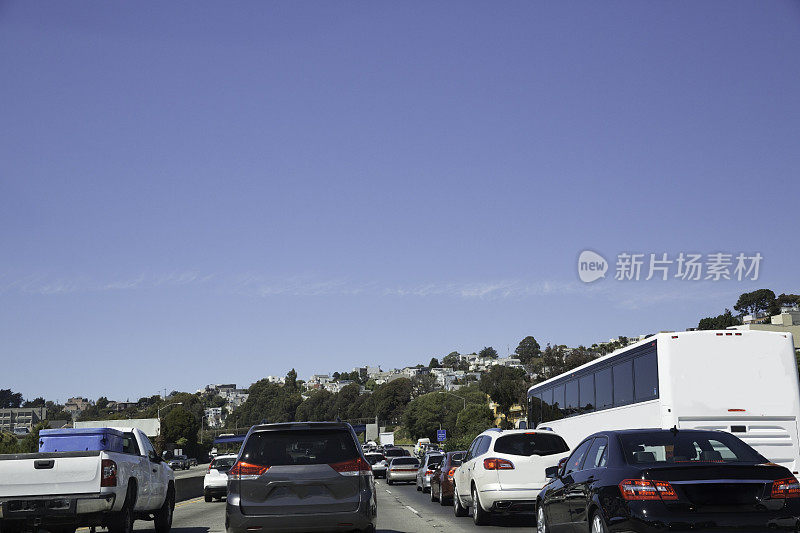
(301, 476)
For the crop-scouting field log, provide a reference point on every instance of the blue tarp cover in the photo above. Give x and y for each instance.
(80, 440)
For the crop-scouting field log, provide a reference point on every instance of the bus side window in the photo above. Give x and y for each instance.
(587, 393)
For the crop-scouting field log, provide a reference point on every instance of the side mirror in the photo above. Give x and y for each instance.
(154, 457)
(551, 472)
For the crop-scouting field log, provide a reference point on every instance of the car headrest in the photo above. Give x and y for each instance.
(644, 457)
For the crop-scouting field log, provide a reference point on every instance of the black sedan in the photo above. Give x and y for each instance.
(652, 480)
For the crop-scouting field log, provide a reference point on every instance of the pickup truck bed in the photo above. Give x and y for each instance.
(60, 491)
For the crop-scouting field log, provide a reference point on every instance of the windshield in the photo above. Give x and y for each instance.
(686, 447)
(434, 460)
(405, 461)
(222, 464)
(373, 458)
(527, 444)
(394, 452)
(299, 447)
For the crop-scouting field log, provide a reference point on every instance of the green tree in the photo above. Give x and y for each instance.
(451, 360)
(179, 423)
(316, 408)
(755, 301)
(505, 386)
(392, 398)
(578, 357)
(528, 350)
(434, 363)
(102, 402)
(30, 443)
(10, 399)
(291, 381)
(722, 321)
(489, 352)
(36, 402)
(266, 401)
(429, 412)
(424, 384)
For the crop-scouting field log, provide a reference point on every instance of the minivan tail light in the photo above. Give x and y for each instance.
(354, 467)
(494, 463)
(109, 473)
(786, 488)
(242, 470)
(645, 489)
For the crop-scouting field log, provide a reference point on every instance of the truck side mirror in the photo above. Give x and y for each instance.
(153, 456)
(551, 472)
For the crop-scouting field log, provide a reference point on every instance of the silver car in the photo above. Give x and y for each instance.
(402, 470)
(309, 476)
(425, 472)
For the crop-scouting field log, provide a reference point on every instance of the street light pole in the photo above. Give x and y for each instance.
(457, 396)
(158, 414)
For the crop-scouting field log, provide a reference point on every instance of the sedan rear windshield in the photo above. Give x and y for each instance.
(224, 463)
(405, 461)
(394, 452)
(299, 447)
(374, 458)
(435, 459)
(528, 444)
(670, 447)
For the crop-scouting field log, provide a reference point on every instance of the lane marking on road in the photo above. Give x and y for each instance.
(387, 490)
(412, 510)
(187, 502)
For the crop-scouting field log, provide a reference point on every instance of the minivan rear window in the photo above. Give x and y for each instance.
(299, 447)
(527, 444)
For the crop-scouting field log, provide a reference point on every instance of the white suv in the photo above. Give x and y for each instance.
(504, 471)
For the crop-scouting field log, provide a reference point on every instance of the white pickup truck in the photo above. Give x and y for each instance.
(87, 484)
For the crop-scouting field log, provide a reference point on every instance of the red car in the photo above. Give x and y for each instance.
(442, 479)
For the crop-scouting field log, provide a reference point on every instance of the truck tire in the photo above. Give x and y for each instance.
(163, 517)
(123, 521)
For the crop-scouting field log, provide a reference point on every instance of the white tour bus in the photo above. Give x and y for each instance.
(744, 382)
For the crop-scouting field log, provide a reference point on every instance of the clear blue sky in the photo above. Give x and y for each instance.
(196, 193)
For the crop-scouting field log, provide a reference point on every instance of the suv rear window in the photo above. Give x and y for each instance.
(394, 452)
(527, 444)
(224, 463)
(299, 447)
(435, 459)
(373, 458)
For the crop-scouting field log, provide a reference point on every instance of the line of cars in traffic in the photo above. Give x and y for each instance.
(636, 480)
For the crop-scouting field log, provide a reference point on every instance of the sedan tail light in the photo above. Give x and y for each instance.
(429, 472)
(645, 489)
(109, 473)
(786, 488)
(243, 470)
(497, 464)
(354, 467)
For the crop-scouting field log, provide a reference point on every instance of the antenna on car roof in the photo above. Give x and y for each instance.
(674, 430)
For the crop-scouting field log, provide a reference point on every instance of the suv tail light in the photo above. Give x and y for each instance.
(497, 464)
(354, 467)
(645, 489)
(242, 470)
(109, 473)
(786, 488)
(429, 472)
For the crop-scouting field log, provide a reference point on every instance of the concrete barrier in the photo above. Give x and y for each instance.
(189, 486)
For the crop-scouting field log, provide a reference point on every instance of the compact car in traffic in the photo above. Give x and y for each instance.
(378, 463)
(215, 482)
(179, 462)
(402, 470)
(429, 463)
(504, 471)
(658, 480)
(309, 476)
(442, 479)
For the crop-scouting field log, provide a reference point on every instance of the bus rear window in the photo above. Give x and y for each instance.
(528, 444)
